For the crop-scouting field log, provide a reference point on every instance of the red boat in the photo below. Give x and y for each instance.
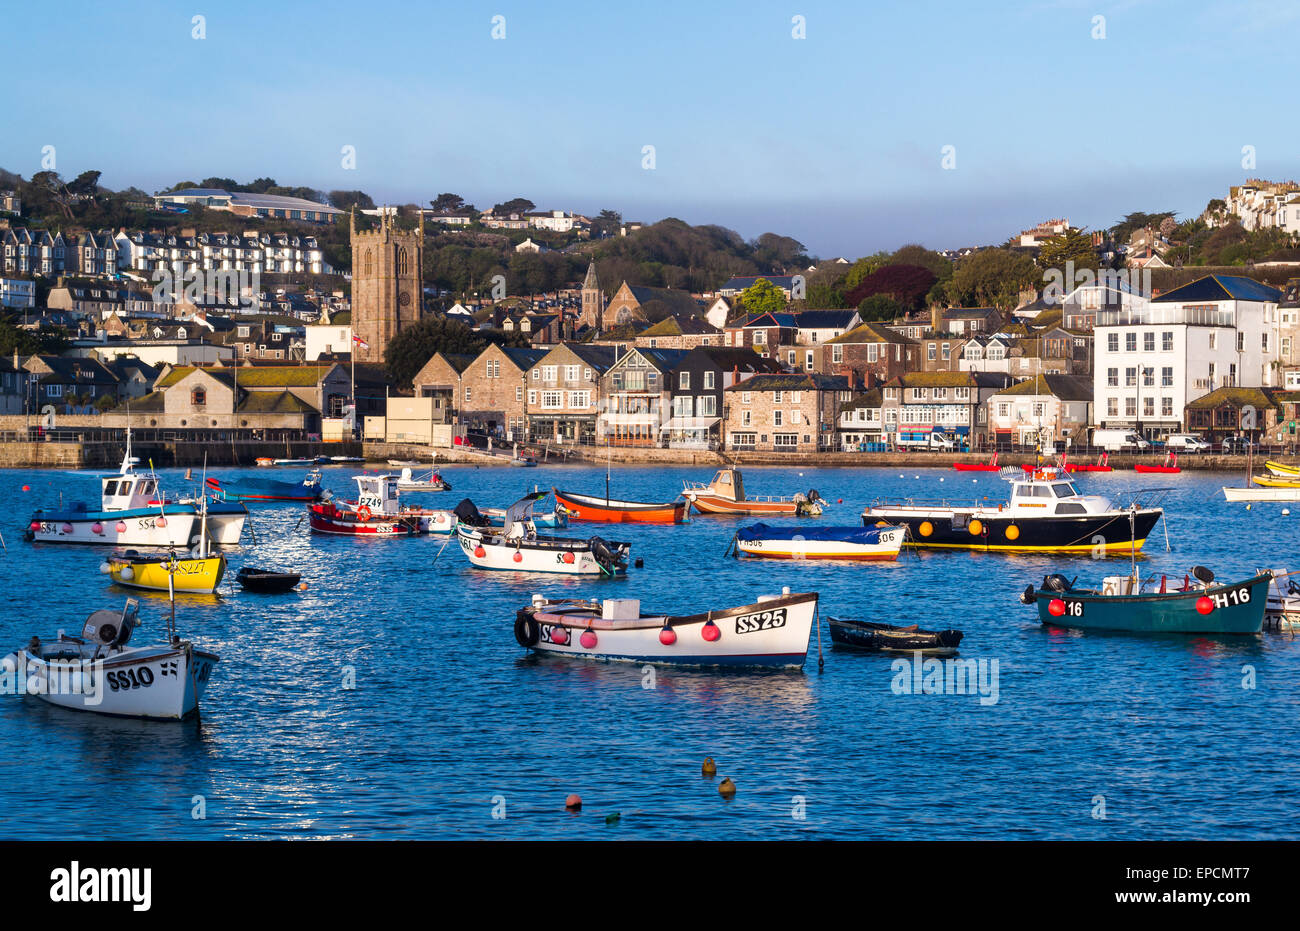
(990, 466)
(613, 511)
(1098, 466)
(376, 512)
(1170, 466)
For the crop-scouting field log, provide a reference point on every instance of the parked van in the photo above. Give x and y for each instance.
(1188, 442)
(925, 441)
(1115, 441)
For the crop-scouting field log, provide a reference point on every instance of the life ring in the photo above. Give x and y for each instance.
(363, 513)
(527, 630)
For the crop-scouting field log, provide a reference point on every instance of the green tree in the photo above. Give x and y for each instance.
(448, 203)
(346, 200)
(864, 267)
(763, 297)
(879, 307)
(607, 223)
(519, 205)
(1071, 246)
(412, 348)
(991, 277)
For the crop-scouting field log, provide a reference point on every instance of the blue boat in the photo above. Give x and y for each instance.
(1198, 605)
(257, 488)
(858, 544)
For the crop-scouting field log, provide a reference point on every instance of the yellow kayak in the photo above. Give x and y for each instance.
(189, 573)
(1281, 470)
(1268, 482)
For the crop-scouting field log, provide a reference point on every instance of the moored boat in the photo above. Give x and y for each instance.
(519, 547)
(1045, 514)
(1123, 603)
(258, 488)
(430, 481)
(315, 460)
(990, 466)
(1265, 481)
(614, 511)
(267, 581)
(1282, 470)
(100, 672)
(772, 632)
(726, 495)
(1170, 465)
(1283, 493)
(861, 544)
(377, 512)
(888, 638)
(1282, 610)
(160, 572)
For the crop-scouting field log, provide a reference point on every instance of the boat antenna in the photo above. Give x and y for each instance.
(1132, 530)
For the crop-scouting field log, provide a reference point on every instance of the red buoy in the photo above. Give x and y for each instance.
(1056, 607)
(27, 488)
(162, 522)
(559, 636)
(67, 528)
(121, 526)
(568, 558)
(518, 557)
(1204, 604)
(588, 639)
(667, 636)
(480, 552)
(97, 527)
(710, 631)
(573, 802)
(36, 525)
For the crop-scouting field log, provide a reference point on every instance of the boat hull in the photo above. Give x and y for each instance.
(853, 544)
(767, 634)
(197, 576)
(1261, 494)
(555, 556)
(1083, 533)
(263, 489)
(347, 527)
(159, 682)
(585, 507)
(884, 638)
(1238, 609)
(1162, 470)
(714, 504)
(1282, 470)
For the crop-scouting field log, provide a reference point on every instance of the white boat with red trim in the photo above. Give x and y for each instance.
(519, 547)
(772, 632)
(377, 512)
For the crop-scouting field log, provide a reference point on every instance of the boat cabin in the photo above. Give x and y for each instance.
(728, 484)
(126, 490)
(379, 493)
(1045, 492)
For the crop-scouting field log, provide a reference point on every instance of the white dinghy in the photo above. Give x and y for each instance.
(99, 672)
(518, 545)
(773, 632)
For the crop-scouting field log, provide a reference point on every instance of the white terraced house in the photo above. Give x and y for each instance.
(1217, 331)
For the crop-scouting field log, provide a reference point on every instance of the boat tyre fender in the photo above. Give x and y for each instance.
(527, 630)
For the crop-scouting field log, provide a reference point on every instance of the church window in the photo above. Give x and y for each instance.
(367, 267)
(403, 263)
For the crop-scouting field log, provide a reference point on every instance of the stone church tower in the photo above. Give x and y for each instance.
(593, 301)
(386, 285)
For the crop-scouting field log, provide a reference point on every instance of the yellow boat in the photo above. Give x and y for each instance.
(193, 574)
(1268, 482)
(1282, 470)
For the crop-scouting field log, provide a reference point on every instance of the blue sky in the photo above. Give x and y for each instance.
(836, 139)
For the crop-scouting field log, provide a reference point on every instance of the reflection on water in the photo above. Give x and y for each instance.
(390, 699)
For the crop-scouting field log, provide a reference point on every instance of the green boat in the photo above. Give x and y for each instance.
(1198, 606)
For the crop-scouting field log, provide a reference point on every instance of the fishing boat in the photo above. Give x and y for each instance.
(343, 460)
(519, 547)
(990, 466)
(264, 461)
(1282, 470)
(549, 519)
(772, 632)
(1265, 481)
(888, 638)
(101, 673)
(726, 495)
(857, 544)
(267, 581)
(157, 571)
(430, 481)
(134, 512)
(1126, 603)
(404, 463)
(1045, 514)
(1170, 465)
(378, 511)
(523, 462)
(1282, 609)
(614, 511)
(298, 463)
(1285, 493)
(257, 488)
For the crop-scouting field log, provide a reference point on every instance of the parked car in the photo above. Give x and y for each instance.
(935, 441)
(1187, 442)
(1239, 444)
(1114, 441)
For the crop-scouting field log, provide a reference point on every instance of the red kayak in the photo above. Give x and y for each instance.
(1088, 468)
(990, 466)
(613, 511)
(1150, 468)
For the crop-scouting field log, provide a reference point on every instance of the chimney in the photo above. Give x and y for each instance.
(936, 318)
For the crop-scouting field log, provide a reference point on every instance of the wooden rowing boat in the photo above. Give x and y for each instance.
(614, 511)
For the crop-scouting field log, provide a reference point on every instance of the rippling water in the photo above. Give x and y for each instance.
(451, 721)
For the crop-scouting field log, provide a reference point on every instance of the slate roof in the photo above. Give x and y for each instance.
(824, 319)
(1258, 398)
(1065, 387)
(600, 358)
(737, 357)
(793, 382)
(1221, 288)
(679, 326)
(873, 333)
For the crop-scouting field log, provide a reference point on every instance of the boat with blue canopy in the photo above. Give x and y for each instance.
(813, 542)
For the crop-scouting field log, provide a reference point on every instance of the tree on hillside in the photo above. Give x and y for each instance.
(220, 184)
(412, 348)
(346, 200)
(1125, 228)
(906, 285)
(991, 277)
(779, 253)
(879, 308)
(1071, 246)
(916, 254)
(864, 267)
(607, 223)
(85, 184)
(763, 297)
(448, 203)
(520, 205)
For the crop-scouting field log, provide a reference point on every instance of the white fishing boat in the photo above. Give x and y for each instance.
(1282, 608)
(519, 547)
(101, 673)
(430, 481)
(134, 511)
(378, 511)
(1257, 493)
(772, 632)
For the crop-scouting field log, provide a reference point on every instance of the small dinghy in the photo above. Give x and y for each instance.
(887, 638)
(101, 673)
(1126, 603)
(259, 488)
(1282, 470)
(772, 632)
(990, 466)
(430, 481)
(267, 581)
(299, 462)
(613, 511)
(860, 544)
(519, 547)
(1169, 467)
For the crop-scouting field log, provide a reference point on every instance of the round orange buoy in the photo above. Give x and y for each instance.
(302, 586)
(709, 768)
(1056, 607)
(518, 557)
(588, 639)
(1204, 605)
(926, 528)
(573, 802)
(162, 522)
(480, 552)
(1013, 532)
(568, 559)
(726, 788)
(837, 500)
(27, 488)
(976, 528)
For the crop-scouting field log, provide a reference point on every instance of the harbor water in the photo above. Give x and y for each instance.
(390, 699)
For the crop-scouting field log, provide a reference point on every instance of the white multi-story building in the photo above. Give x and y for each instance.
(16, 292)
(1263, 204)
(1220, 330)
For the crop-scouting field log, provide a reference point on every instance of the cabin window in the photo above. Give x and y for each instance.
(110, 489)
(1070, 507)
(146, 487)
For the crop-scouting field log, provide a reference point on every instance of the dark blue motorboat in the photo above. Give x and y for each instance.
(257, 488)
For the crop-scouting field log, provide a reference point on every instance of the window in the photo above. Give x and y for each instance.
(1039, 408)
(552, 400)
(571, 372)
(794, 396)
(709, 406)
(760, 338)
(963, 394)
(746, 418)
(1166, 407)
(940, 394)
(1148, 407)
(493, 368)
(1167, 376)
(532, 398)
(918, 394)
(1214, 339)
(198, 397)
(708, 380)
(1130, 407)
(776, 397)
(1232, 374)
(744, 397)
(1112, 342)
(946, 353)
(1148, 376)
(930, 352)
(837, 354)
(790, 357)
(808, 361)
(54, 391)
(742, 439)
(1265, 338)
(1130, 342)
(549, 373)
(1112, 407)
(1149, 341)
(467, 392)
(579, 399)
(1112, 378)
(1004, 409)
(537, 374)
(684, 381)
(785, 440)
(1130, 376)
(1167, 341)
(1241, 341)
(873, 352)
(776, 418)
(586, 374)
(519, 392)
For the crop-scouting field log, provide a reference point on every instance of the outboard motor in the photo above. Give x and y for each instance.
(1056, 583)
(604, 556)
(468, 514)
